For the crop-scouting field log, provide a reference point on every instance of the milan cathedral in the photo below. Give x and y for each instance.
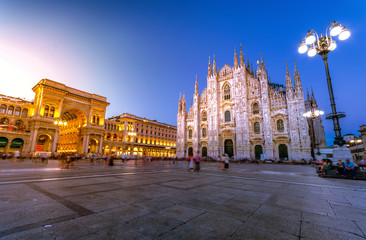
(243, 114)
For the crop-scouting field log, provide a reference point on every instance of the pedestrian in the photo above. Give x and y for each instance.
(226, 162)
(197, 161)
(190, 159)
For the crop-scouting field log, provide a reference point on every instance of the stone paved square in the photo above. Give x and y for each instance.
(163, 200)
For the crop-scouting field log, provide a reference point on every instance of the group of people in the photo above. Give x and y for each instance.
(223, 161)
(342, 167)
(196, 159)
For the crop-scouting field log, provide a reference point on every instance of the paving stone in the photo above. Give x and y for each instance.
(253, 231)
(331, 222)
(312, 231)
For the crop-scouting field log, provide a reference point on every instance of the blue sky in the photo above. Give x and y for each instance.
(141, 54)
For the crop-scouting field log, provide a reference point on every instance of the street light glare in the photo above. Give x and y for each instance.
(345, 34)
(310, 38)
(332, 46)
(335, 29)
(303, 48)
(312, 52)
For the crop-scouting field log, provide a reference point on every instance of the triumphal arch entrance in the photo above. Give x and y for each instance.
(66, 120)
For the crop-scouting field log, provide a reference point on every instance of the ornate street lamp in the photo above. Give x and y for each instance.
(312, 114)
(313, 44)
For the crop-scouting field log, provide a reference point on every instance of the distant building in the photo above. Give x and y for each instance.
(316, 128)
(243, 114)
(132, 135)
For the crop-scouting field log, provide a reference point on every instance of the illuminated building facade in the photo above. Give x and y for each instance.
(243, 114)
(67, 120)
(60, 119)
(131, 135)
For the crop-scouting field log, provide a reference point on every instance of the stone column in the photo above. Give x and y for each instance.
(85, 144)
(33, 140)
(100, 144)
(55, 141)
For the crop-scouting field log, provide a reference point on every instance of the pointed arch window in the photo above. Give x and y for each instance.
(3, 108)
(204, 116)
(226, 92)
(190, 133)
(204, 132)
(257, 127)
(227, 116)
(255, 108)
(10, 110)
(17, 111)
(280, 126)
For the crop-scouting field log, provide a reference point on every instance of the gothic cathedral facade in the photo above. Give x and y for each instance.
(242, 114)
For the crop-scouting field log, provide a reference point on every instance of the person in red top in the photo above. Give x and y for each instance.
(197, 160)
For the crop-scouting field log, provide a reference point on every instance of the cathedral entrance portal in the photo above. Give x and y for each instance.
(282, 151)
(258, 150)
(204, 151)
(190, 151)
(229, 147)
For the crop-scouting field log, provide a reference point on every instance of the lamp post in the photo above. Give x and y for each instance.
(313, 44)
(312, 114)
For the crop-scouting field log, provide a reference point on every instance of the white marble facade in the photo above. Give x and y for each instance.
(241, 113)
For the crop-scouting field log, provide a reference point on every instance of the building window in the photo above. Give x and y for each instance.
(24, 112)
(226, 92)
(93, 119)
(255, 108)
(98, 120)
(4, 121)
(204, 132)
(46, 110)
(10, 110)
(257, 127)
(52, 112)
(3, 108)
(204, 116)
(280, 126)
(19, 123)
(17, 111)
(190, 133)
(227, 116)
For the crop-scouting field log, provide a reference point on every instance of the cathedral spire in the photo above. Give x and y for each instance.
(214, 66)
(307, 94)
(251, 69)
(184, 103)
(236, 64)
(313, 98)
(288, 79)
(258, 68)
(248, 65)
(209, 67)
(196, 87)
(180, 103)
(262, 64)
(242, 63)
(297, 77)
